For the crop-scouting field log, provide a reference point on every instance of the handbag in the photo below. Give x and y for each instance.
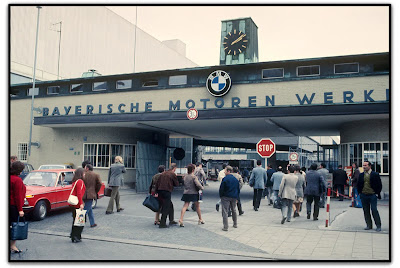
(107, 191)
(80, 218)
(152, 203)
(19, 230)
(73, 199)
(278, 203)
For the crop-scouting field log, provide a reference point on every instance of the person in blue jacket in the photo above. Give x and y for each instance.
(229, 191)
(258, 180)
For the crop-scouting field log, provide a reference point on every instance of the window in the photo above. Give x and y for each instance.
(35, 92)
(372, 153)
(356, 154)
(272, 73)
(375, 152)
(177, 80)
(22, 151)
(123, 84)
(76, 88)
(311, 70)
(385, 157)
(53, 90)
(97, 86)
(150, 83)
(103, 155)
(346, 68)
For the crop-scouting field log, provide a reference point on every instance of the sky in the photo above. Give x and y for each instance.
(284, 32)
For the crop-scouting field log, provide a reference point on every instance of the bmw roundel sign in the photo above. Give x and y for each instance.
(218, 83)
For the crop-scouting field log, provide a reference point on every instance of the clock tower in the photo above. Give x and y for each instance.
(239, 42)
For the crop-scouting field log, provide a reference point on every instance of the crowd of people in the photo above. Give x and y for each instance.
(285, 191)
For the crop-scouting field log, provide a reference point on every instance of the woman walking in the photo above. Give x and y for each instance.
(287, 191)
(300, 186)
(191, 194)
(17, 196)
(78, 189)
(115, 180)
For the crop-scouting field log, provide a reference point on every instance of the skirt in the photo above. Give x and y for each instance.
(13, 214)
(190, 197)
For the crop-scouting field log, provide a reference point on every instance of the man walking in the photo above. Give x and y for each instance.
(315, 187)
(93, 184)
(270, 184)
(258, 180)
(339, 180)
(164, 187)
(287, 191)
(229, 191)
(276, 179)
(324, 173)
(369, 186)
(221, 175)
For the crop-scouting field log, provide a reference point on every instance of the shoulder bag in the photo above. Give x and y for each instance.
(73, 199)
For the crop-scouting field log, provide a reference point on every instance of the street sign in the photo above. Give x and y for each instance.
(294, 157)
(192, 114)
(266, 147)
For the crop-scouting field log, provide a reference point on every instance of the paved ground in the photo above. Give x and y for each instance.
(131, 234)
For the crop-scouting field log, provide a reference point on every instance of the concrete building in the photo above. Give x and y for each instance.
(75, 39)
(137, 114)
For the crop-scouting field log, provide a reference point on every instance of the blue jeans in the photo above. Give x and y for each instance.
(370, 203)
(89, 211)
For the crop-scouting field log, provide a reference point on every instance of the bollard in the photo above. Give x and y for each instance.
(351, 195)
(328, 201)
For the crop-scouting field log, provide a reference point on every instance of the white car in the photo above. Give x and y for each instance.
(55, 166)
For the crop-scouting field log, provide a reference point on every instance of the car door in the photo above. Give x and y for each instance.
(64, 187)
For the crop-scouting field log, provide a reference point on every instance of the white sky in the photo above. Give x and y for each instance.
(284, 32)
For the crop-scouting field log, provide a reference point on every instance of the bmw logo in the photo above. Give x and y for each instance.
(218, 83)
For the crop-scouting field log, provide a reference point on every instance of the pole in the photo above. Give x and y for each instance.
(328, 201)
(59, 52)
(33, 84)
(134, 49)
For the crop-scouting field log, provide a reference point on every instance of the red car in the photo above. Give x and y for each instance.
(49, 190)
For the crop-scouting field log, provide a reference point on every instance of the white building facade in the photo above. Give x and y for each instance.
(92, 37)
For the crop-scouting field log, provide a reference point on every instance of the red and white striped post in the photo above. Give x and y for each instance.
(328, 201)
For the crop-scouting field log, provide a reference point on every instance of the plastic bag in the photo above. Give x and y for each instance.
(80, 218)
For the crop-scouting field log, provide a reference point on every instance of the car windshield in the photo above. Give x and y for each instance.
(51, 167)
(47, 179)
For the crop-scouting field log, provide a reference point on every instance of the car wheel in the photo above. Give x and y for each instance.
(40, 211)
(94, 203)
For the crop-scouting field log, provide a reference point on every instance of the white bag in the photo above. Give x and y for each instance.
(73, 199)
(80, 217)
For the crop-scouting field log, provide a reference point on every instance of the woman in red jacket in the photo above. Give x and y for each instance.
(79, 189)
(17, 196)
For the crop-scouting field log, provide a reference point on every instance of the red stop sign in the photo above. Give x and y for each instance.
(266, 147)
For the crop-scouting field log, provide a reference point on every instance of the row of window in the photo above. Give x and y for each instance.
(176, 80)
(312, 70)
(120, 84)
(102, 155)
(375, 152)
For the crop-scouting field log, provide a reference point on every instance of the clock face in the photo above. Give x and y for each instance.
(235, 42)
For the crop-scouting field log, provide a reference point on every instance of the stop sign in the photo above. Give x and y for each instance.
(266, 147)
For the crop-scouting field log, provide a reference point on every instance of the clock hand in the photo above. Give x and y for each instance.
(237, 40)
